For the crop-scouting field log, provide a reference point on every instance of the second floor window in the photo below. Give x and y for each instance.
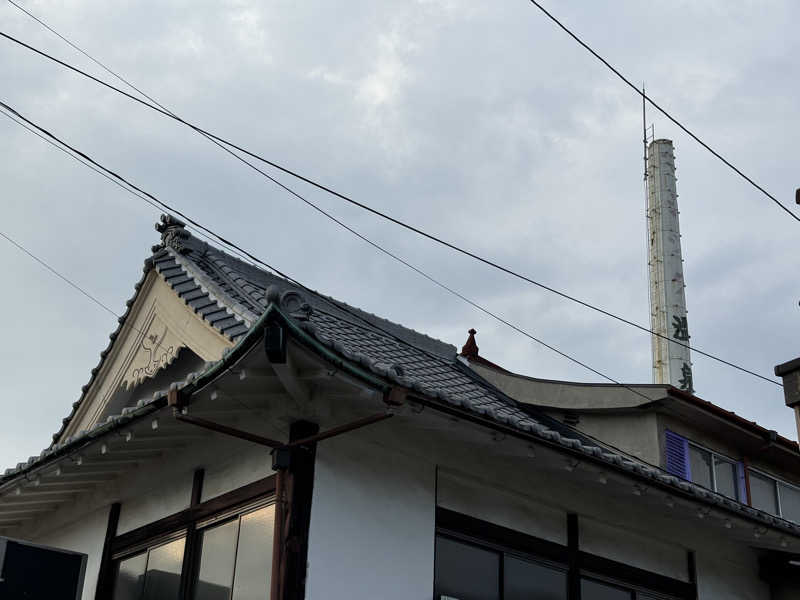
(774, 496)
(716, 472)
(705, 467)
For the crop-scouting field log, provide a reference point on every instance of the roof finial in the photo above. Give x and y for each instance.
(470, 349)
(172, 232)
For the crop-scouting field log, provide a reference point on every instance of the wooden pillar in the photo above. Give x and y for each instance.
(105, 576)
(573, 558)
(294, 487)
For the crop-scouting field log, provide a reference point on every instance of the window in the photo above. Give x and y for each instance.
(217, 550)
(480, 561)
(704, 467)
(152, 574)
(774, 496)
(465, 571)
(236, 558)
(713, 471)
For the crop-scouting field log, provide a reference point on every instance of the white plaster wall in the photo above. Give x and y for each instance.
(723, 572)
(87, 536)
(372, 524)
(155, 492)
(163, 492)
(470, 496)
(645, 552)
(240, 465)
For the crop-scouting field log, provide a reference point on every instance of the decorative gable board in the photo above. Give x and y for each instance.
(159, 326)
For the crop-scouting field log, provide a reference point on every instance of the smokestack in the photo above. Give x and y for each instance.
(790, 373)
(671, 361)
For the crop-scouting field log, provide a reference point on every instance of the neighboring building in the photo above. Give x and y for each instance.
(400, 470)
(671, 429)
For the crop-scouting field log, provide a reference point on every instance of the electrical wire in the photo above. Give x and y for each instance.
(644, 96)
(153, 201)
(389, 217)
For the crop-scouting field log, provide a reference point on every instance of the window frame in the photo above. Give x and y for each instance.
(190, 523)
(776, 482)
(723, 458)
(570, 558)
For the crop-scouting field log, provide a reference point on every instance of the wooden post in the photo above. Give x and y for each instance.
(294, 483)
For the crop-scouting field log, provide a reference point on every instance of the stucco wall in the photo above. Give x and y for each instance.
(730, 574)
(372, 523)
(637, 434)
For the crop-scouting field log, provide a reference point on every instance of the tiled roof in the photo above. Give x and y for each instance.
(207, 278)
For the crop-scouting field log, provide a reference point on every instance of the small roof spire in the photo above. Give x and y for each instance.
(470, 349)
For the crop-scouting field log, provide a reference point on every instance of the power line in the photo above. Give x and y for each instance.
(644, 96)
(117, 183)
(63, 278)
(383, 215)
(150, 199)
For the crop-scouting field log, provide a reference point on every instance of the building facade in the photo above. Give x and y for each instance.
(243, 438)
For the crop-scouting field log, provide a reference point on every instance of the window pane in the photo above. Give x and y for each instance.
(525, 580)
(594, 590)
(130, 578)
(164, 571)
(725, 473)
(217, 555)
(466, 572)
(762, 493)
(790, 502)
(254, 555)
(700, 462)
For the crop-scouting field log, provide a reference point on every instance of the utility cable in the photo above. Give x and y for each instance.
(388, 217)
(150, 199)
(644, 96)
(158, 209)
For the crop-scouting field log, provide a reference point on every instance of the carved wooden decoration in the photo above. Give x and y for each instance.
(157, 349)
(159, 326)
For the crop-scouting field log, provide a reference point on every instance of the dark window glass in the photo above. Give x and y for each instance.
(523, 580)
(466, 572)
(700, 462)
(254, 555)
(725, 472)
(130, 578)
(762, 493)
(790, 502)
(594, 590)
(217, 556)
(163, 577)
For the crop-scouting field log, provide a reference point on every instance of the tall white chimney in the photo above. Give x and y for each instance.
(671, 361)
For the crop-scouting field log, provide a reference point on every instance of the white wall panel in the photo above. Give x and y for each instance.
(372, 524)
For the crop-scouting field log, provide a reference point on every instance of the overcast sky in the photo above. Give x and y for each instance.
(478, 121)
